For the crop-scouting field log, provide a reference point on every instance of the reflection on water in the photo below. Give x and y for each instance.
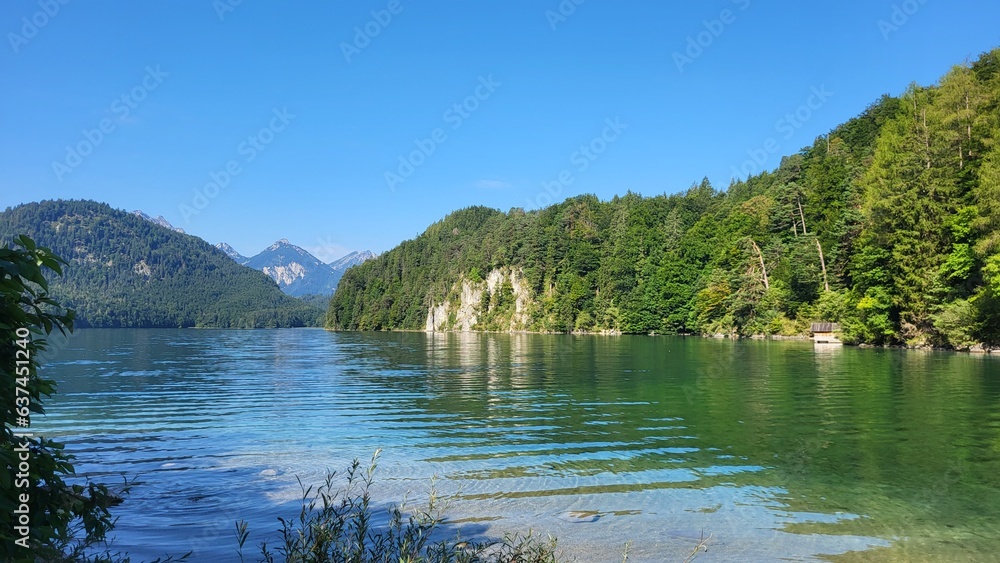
(776, 449)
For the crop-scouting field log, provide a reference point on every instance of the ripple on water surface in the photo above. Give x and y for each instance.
(769, 448)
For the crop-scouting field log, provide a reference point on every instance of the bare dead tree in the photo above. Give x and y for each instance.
(822, 263)
(763, 268)
(802, 216)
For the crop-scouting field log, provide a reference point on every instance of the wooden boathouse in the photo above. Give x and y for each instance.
(826, 333)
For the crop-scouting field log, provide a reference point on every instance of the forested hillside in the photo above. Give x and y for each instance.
(890, 225)
(125, 271)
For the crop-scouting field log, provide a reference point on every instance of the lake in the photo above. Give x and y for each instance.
(774, 449)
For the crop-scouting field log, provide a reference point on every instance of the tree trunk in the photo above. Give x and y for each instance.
(968, 122)
(961, 153)
(822, 263)
(802, 215)
(763, 268)
(927, 138)
(968, 116)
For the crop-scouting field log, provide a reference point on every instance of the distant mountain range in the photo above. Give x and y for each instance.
(296, 271)
(128, 270)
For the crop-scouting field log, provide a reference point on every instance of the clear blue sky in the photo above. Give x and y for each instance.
(319, 178)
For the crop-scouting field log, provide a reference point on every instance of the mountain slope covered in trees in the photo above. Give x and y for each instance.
(125, 271)
(890, 225)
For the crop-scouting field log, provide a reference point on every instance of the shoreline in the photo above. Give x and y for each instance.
(978, 349)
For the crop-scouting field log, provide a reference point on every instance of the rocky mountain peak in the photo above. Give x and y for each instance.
(352, 259)
(232, 253)
(281, 243)
(158, 221)
(296, 271)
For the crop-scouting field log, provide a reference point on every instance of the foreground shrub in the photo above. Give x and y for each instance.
(42, 517)
(336, 525)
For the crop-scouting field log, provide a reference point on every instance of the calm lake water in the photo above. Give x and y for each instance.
(778, 450)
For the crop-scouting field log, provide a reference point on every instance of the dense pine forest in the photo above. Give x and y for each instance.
(889, 225)
(125, 271)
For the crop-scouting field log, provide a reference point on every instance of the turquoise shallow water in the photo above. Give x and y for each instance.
(778, 450)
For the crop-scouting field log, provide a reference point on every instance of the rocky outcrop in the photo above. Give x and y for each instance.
(142, 268)
(502, 302)
(285, 274)
(523, 298)
(459, 314)
(437, 318)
